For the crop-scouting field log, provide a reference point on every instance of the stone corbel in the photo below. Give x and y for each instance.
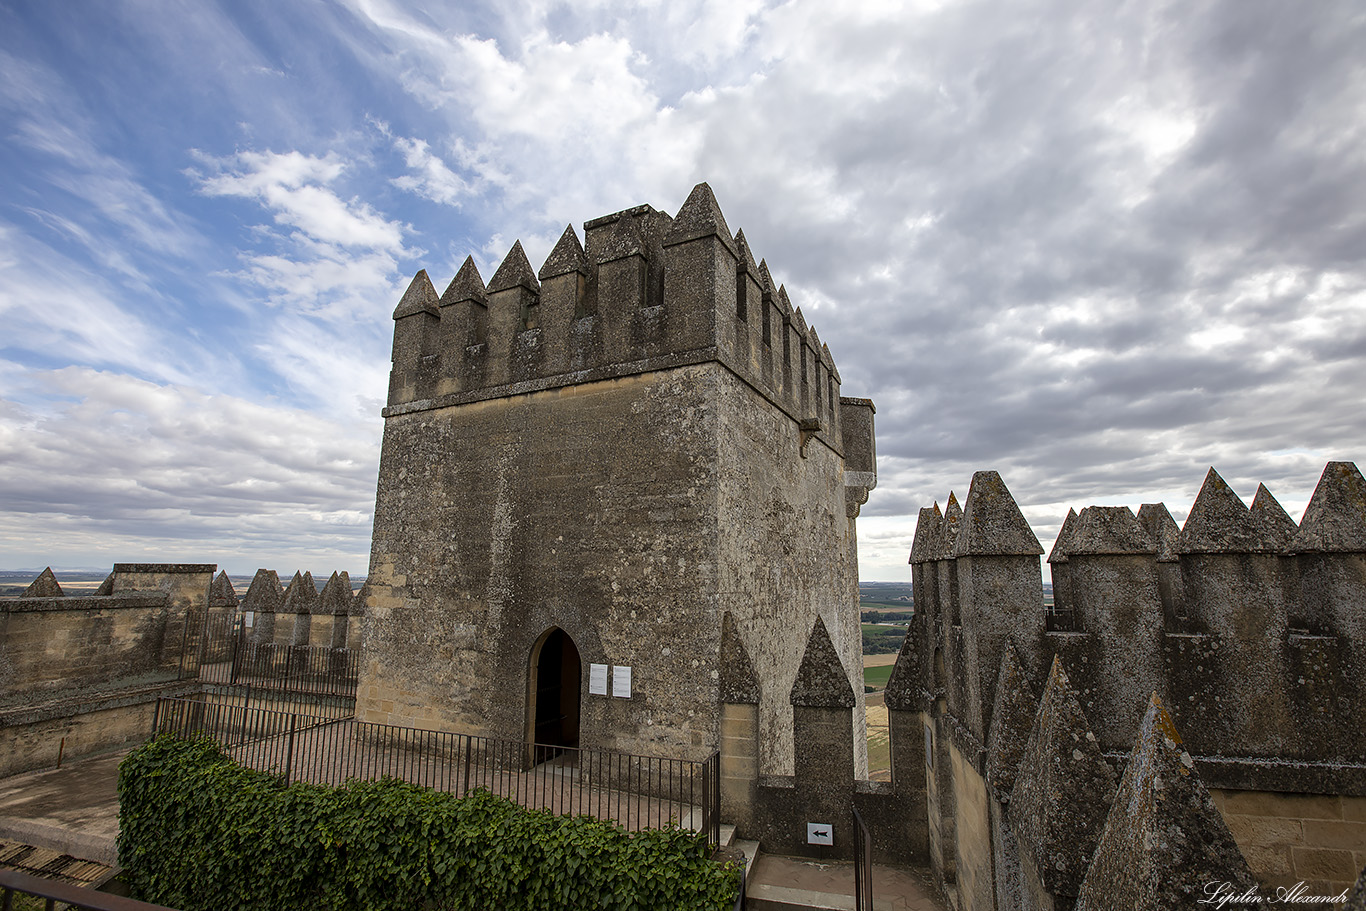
(808, 429)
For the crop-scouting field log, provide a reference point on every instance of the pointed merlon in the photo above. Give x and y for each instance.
(927, 531)
(829, 361)
(221, 593)
(737, 683)
(419, 298)
(302, 595)
(785, 303)
(1164, 841)
(992, 523)
(264, 595)
(1063, 789)
(335, 599)
(746, 256)
(45, 586)
(822, 681)
(902, 692)
(699, 217)
(1219, 522)
(106, 587)
(514, 272)
(1109, 530)
(1335, 519)
(361, 599)
(1161, 529)
(766, 278)
(948, 538)
(1063, 543)
(568, 256)
(467, 285)
(1012, 721)
(798, 320)
(1275, 529)
(626, 239)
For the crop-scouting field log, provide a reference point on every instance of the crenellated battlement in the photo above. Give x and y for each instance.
(644, 291)
(1249, 626)
(1240, 629)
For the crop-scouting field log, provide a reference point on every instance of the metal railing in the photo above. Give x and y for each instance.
(863, 865)
(1061, 619)
(227, 657)
(13, 882)
(639, 792)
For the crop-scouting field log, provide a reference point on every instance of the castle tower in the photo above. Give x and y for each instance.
(587, 470)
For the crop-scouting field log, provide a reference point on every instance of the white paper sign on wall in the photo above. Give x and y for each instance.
(597, 680)
(820, 833)
(621, 681)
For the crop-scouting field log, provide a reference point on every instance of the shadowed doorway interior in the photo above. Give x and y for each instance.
(555, 688)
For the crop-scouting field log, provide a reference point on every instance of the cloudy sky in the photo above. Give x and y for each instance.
(1096, 247)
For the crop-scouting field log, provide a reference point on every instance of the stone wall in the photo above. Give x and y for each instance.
(56, 646)
(1317, 839)
(824, 789)
(587, 508)
(1242, 628)
(628, 445)
(82, 674)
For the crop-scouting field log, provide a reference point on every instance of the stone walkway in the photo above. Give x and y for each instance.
(74, 809)
(778, 883)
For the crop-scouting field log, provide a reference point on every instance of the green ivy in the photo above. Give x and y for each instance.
(198, 831)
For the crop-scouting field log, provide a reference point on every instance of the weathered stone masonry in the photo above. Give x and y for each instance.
(82, 674)
(1241, 631)
(627, 446)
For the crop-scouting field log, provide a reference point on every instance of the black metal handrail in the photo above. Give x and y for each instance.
(12, 881)
(641, 792)
(863, 865)
(227, 657)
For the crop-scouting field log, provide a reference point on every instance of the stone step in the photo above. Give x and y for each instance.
(766, 897)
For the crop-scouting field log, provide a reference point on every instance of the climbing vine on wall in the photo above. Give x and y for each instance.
(198, 831)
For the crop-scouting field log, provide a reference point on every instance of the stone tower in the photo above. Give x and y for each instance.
(586, 468)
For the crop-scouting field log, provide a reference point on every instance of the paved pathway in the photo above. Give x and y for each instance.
(74, 809)
(778, 883)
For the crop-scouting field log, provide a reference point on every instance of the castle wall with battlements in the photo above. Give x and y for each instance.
(624, 445)
(82, 674)
(1243, 628)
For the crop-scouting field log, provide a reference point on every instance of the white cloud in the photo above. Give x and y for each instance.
(294, 186)
(1096, 251)
(433, 179)
(54, 305)
(112, 463)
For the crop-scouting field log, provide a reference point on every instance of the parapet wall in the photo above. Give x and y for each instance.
(82, 674)
(646, 292)
(300, 615)
(1250, 627)
(131, 634)
(1241, 630)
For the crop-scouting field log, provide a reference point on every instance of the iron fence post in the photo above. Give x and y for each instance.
(289, 749)
(236, 650)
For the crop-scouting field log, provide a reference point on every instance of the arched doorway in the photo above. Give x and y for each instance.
(553, 712)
